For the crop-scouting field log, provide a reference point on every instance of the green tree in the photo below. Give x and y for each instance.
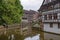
(10, 11)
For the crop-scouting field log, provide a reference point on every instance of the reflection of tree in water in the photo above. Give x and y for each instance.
(11, 36)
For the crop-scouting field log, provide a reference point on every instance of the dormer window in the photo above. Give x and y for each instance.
(50, 7)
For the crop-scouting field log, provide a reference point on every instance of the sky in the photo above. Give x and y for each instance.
(31, 4)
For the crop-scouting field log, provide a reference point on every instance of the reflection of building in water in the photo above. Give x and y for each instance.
(25, 27)
(49, 36)
(28, 17)
(50, 10)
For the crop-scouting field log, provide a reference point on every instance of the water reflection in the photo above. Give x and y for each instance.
(36, 37)
(49, 36)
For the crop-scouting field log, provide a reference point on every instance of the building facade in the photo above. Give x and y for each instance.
(31, 15)
(26, 24)
(50, 10)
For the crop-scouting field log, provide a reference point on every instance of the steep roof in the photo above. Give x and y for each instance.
(30, 11)
(48, 3)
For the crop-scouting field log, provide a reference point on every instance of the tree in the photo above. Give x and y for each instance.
(10, 11)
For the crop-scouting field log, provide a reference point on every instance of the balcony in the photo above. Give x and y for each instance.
(51, 11)
(55, 21)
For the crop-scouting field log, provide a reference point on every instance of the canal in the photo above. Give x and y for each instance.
(36, 35)
(47, 35)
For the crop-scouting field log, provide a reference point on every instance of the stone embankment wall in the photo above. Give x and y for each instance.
(14, 27)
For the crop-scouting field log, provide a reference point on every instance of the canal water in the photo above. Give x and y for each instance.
(47, 36)
(36, 37)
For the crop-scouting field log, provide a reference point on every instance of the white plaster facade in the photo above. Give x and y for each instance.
(55, 22)
(51, 19)
(54, 29)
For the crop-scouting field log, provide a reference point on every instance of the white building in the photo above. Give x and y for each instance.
(50, 11)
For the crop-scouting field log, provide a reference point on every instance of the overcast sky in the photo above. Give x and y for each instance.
(31, 4)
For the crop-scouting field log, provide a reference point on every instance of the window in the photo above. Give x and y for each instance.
(55, 16)
(58, 25)
(51, 25)
(50, 7)
(45, 17)
(50, 16)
